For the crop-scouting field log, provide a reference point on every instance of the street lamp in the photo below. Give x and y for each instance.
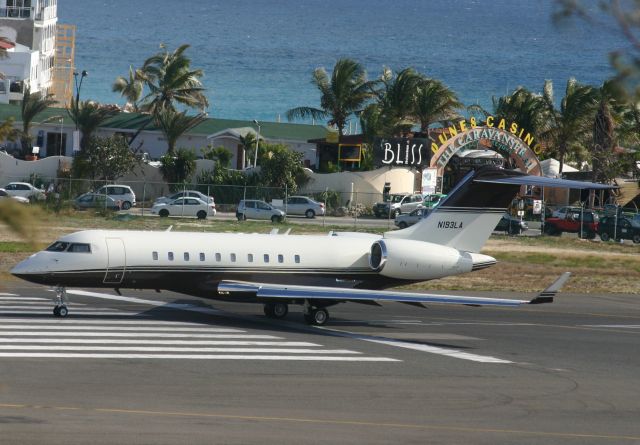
(76, 133)
(255, 161)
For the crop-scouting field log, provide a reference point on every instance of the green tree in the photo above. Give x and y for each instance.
(341, 95)
(395, 100)
(88, 116)
(106, 158)
(434, 102)
(569, 128)
(170, 80)
(130, 88)
(174, 124)
(222, 156)
(178, 168)
(249, 143)
(32, 105)
(281, 167)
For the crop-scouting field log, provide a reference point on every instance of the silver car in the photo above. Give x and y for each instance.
(185, 194)
(256, 209)
(25, 190)
(122, 193)
(20, 199)
(408, 219)
(301, 205)
(184, 207)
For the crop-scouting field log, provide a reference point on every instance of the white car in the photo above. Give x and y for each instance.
(185, 194)
(25, 190)
(301, 205)
(185, 207)
(5, 195)
(122, 193)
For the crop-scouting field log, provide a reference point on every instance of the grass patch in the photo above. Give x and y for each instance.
(18, 247)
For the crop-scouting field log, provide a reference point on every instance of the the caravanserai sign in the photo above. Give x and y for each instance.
(503, 137)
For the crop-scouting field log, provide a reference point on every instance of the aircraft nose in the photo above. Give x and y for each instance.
(30, 267)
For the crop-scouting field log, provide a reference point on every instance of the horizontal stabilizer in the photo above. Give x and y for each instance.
(546, 296)
(541, 181)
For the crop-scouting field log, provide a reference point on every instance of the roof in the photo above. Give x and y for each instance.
(134, 121)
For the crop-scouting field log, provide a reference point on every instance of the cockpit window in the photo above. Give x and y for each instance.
(58, 246)
(79, 248)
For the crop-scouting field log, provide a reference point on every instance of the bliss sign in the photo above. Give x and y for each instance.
(403, 152)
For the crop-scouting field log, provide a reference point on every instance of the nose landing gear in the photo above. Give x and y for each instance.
(60, 309)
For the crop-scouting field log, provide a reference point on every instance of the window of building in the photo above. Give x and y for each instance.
(202, 258)
(218, 257)
(233, 257)
(250, 258)
(186, 256)
(266, 257)
(170, 256)
(280, 258)
(155, 256)
(296, 258)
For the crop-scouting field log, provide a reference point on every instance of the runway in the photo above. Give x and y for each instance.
(159, 368)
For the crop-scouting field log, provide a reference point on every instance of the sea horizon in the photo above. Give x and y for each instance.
(258, 55)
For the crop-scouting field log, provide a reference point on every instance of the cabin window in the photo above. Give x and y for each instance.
(186, 256)
(79, 248)
(280, 258)
(201, 256)
(296, 258)
(233, 257)
(266, 257)
(218, 257)
(170, 256)
(155, 256)
(250, 258)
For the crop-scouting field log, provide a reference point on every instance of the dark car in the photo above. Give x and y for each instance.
(611, 227)
(95, 201)
(511, 224)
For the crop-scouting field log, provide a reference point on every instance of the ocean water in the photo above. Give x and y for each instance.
(258, 55)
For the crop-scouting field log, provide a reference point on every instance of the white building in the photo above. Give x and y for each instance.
(28, 32)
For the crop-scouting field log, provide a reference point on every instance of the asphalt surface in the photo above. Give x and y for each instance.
(169, 369)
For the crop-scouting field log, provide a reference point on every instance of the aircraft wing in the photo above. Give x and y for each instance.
(276, 291)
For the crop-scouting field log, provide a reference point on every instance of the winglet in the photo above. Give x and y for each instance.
(546, 296)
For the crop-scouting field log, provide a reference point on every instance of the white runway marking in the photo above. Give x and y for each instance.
(454, 353)
(155, 303)
(8, 295)
(200, 357)
(59, 334)
(616, 326)
(28, 336)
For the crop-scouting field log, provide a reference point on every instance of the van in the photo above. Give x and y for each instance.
(122, 193)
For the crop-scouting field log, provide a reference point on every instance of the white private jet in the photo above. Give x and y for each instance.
(316, 271)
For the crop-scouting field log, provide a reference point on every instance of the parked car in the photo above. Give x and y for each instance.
(611, 227)
(397, 204)
(95, 201)
(587, 227)
(562, 211)
(432, 200)
(256, 209)
(184, 207)
(5, 195)
(25, 190)
(122, 193)
(302, 205)
(511, 224)
(185, 194)
(408, 219)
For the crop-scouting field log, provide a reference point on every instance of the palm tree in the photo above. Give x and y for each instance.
(88, 116)
(130, 88)
(248, 143)
(170, 80)
(174, 124)
(569, 126)
(342, 95)
(396, 100)
(434, 102)
(32, 105)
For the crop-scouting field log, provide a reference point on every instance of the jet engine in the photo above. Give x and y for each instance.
(417, 260)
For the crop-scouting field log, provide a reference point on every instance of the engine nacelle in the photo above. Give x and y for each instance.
(417, 260)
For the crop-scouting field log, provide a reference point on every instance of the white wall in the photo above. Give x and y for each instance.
(367, 186)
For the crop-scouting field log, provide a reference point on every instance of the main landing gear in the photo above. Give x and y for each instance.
(276, 310)
(318, 316)
(60, 309)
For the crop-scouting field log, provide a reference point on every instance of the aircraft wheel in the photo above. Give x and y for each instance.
(268, 310)
(276, 310)
(56, 311)
(63, 311)
(318, 317)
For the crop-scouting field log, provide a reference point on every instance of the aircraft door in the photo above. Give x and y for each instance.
(116, 263)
